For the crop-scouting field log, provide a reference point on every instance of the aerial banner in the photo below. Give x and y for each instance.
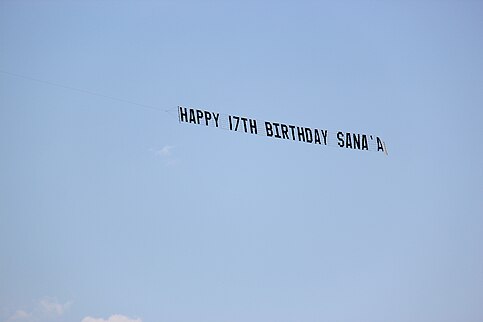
(283, 131)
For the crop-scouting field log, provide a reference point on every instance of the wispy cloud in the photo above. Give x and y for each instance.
(46, 309)
(49, 309)
(112, 318)
(20, 315)
(51, 306)
(166, 153)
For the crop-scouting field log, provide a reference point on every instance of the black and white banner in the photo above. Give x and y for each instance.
(283, 131)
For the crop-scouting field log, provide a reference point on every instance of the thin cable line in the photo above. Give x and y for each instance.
(85, 91)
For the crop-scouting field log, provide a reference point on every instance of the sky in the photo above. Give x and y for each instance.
(111, 211)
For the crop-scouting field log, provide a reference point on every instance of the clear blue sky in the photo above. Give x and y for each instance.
(108, 208)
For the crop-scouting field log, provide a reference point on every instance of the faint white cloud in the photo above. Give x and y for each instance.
(112, 318)
(20, 315)
(53, 307)
(166, 153)
(44, 310)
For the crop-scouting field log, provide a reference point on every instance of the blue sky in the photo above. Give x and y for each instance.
(113, 212)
